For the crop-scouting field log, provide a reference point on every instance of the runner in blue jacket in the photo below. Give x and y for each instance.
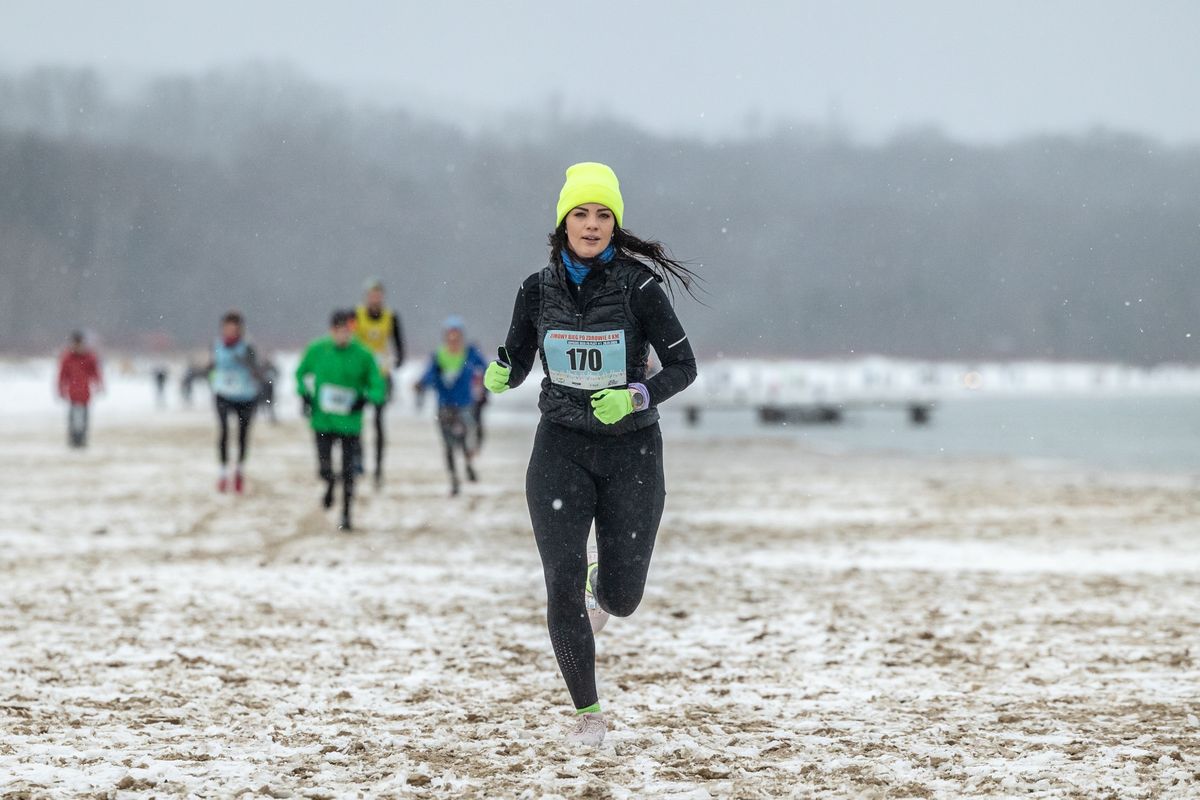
(455, 372)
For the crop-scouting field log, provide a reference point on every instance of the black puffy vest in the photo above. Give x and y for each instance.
(606, 310)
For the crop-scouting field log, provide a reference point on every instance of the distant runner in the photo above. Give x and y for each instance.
(335, 379)
(455, 372)
(78, 374)
(236, 380)
(266, 398)
(594, 313)
(160, 386)
(377, 326)
(191, 374)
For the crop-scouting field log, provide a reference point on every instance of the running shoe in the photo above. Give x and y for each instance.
(239, 482)
(597, 616)
(471, 476)
(589, 730)
(345, 525)
(222, 484)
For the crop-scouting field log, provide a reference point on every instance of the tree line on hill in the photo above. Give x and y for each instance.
(143, 214)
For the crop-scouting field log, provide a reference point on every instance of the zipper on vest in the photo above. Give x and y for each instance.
(594, 298)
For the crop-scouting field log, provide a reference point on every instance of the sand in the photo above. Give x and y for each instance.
(814, 626)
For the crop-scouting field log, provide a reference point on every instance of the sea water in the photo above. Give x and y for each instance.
(1134, 432)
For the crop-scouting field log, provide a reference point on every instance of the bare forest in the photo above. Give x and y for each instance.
(141, 213)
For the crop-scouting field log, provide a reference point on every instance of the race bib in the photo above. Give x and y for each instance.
(336, 399)
(585, 360)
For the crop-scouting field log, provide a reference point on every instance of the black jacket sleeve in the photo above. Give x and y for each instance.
(254, 365)
(521, 341)
(653, 310)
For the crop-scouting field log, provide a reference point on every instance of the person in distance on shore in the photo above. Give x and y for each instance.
(266, 398)
(236, 380)
(78, 374)
(593, 313)
(336, 378)
(455, 372)
(375, 327)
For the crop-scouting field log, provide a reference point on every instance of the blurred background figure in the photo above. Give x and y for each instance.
(266, 397)
(335, 379)
(191, 373)
(455, 372)
(378, 329)
(481, 400)
(160, 386)
(78, 374)
(236, 380)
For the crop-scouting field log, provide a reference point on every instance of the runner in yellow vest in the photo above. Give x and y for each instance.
(375, 326)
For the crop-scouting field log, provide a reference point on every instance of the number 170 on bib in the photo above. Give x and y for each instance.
(585, 359)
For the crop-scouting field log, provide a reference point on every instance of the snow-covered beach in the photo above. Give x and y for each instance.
(814, 626)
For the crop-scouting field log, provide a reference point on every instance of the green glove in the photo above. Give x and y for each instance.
(496, 377)
(612, 405)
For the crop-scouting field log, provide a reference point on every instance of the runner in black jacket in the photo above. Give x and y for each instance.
(593, 313)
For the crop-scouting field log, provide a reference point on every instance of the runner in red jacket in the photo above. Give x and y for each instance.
(78, 373)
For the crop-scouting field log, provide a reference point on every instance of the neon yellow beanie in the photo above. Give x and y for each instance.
(590, 182)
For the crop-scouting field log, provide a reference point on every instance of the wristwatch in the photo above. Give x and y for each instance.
(639, 397)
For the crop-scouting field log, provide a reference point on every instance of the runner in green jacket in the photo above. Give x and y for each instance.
(336, 379)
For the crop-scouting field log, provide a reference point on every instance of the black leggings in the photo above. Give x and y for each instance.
(379, 441)
(380, 434)
(573, 480)
(351, 456)
(457, 427)
(245, 414)
(477, 410)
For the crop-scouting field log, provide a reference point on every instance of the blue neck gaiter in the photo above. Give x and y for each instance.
(577, 269)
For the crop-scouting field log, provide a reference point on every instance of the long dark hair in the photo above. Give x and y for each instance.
(652, 254)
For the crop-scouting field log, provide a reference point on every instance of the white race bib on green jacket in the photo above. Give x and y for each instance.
(335, 399)
(585, 359)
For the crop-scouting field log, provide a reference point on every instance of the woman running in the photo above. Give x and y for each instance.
(236, 381)
(594, 312)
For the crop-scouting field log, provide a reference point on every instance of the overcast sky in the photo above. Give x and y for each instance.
(979, 70)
